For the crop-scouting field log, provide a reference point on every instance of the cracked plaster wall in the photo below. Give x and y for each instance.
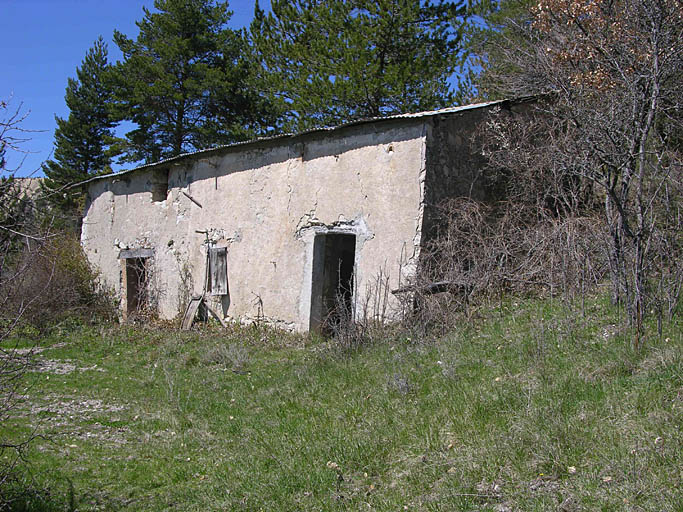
(265, 202)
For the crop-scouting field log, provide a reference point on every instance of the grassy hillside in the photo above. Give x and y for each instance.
(529, 408)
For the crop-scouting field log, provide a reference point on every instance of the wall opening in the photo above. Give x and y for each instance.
(137, 285)
(159, 185)
(332, 280)
(136, 274)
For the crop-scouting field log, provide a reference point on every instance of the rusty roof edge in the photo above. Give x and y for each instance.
(184, 156)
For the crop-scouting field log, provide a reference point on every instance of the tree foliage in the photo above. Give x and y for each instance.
(82, 140)
(491, 28)
(184, 81)
(16, 214)
(332, 61)
(609, 116)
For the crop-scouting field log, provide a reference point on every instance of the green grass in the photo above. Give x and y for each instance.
(528, 408)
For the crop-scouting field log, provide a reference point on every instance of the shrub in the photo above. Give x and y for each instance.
(53, 281)
(481, 252)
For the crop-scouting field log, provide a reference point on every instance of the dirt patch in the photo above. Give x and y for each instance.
(37, 350)
(67, 417)
(73, 408)
(25, 357)
(62, 367)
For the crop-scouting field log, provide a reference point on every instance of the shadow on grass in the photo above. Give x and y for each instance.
(28, 499)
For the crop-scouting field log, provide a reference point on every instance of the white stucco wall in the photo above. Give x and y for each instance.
(265, 201)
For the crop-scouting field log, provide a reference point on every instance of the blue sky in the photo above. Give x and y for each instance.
(43, 41)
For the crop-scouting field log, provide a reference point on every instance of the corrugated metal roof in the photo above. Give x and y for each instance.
(183, 156)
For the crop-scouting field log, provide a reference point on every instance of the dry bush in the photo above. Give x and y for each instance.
(51, 280)
(609, 117)
(353, 325)
(13, 364)
(540, 164)
(43, 279)
(20, 232)
(665, 265)
(232, 356)
(481, 251)
(346, 330)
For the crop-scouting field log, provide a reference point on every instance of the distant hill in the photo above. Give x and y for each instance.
(28, 186)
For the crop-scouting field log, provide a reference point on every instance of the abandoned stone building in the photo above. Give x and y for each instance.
(279, 229)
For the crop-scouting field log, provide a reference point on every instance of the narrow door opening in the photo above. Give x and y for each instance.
(137, 279)
(333, 280)
(159, 185)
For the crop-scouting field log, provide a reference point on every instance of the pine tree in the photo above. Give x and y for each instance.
(330, 61)
(183, 81)
(495, 30)
(82, 139)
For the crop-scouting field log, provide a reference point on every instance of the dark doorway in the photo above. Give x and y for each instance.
(137, 279)
(332, 287)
